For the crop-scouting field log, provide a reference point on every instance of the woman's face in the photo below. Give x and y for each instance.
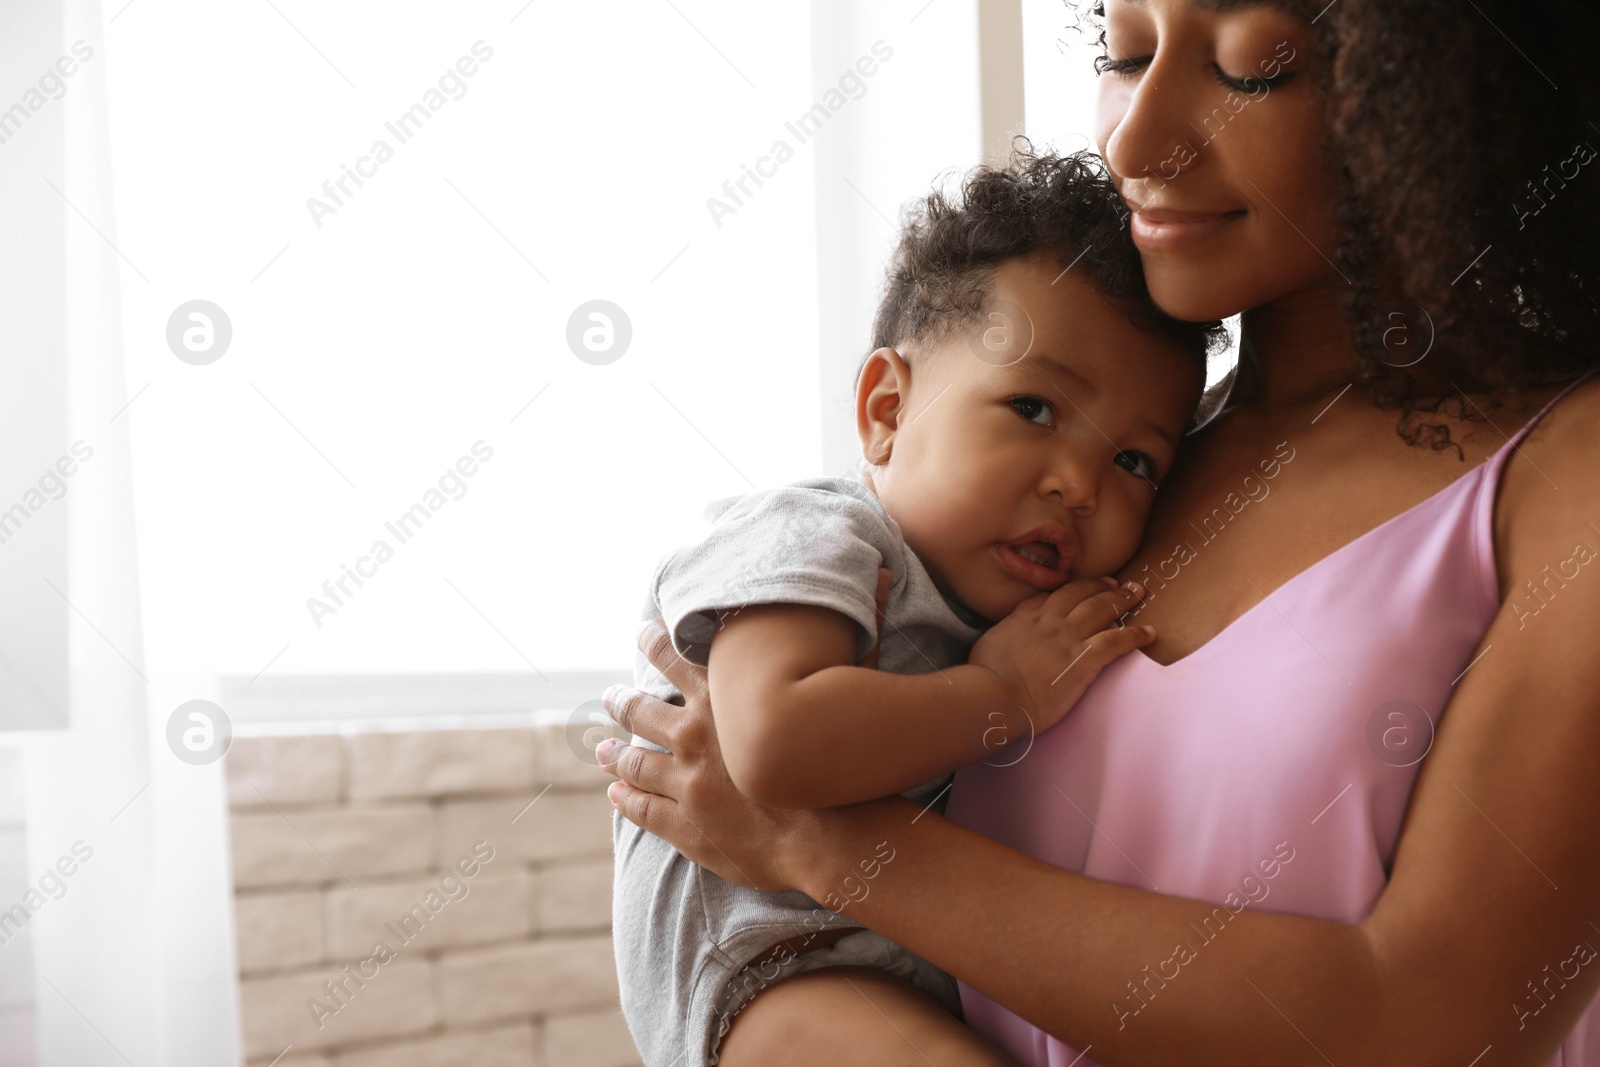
(1207, 123)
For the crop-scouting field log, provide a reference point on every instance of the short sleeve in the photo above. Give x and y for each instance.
(791, 545)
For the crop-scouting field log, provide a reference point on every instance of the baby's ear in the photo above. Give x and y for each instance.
(880, 401)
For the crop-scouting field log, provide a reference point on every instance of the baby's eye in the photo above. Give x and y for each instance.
(1136, 462)
(1034, 410)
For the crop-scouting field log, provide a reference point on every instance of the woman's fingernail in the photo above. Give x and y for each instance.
(605, 751)
(1133, 587)
(613, 696)
(614, 791)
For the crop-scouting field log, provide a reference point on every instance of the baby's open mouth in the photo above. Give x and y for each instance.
(1041, 552)
(1043, 557)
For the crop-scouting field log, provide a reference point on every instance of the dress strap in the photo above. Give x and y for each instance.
(1516, 439)
(1488, 487)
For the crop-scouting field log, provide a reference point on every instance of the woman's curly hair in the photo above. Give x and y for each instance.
(1466, 143)
(941, 275)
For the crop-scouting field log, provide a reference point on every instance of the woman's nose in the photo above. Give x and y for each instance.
(1145, 135)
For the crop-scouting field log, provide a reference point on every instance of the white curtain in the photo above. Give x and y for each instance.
(123, 875)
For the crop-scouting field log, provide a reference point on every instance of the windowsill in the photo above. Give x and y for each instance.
(317, 703)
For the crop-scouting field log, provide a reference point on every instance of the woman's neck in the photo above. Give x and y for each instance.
(1295, 351)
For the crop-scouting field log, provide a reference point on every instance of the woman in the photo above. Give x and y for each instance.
(1343, 810)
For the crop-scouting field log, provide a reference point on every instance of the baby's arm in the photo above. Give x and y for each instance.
(800, 726)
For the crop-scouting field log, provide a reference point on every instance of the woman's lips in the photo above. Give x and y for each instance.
(1165, 230)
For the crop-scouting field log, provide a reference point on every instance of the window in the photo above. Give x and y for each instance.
(411, 454)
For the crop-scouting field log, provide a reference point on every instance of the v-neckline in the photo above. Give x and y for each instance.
(1303, 572)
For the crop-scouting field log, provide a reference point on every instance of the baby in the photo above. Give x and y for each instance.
(1021, 404)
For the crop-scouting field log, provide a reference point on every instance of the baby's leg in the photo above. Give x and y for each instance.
(850, 1016)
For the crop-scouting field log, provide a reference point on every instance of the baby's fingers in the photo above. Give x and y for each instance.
(1103, 609)
(1100, 650)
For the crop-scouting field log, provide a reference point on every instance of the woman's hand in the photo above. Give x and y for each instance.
(685, 796)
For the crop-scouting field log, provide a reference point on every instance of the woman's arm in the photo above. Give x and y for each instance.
(801, 727)
(1055, 947)
(1496, 881)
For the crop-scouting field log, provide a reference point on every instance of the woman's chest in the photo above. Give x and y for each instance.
(1304, 721)
(1247, 519)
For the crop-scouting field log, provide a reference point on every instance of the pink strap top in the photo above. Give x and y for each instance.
(1269, 768)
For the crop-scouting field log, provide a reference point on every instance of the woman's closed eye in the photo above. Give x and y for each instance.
(1250, 84)
(1104, 64)
(1035, 409)
(1137, 463)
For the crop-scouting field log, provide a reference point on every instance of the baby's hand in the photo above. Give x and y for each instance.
(1053, 645)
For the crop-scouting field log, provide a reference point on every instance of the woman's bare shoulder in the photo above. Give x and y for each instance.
(1568, 436)
(1549, 494)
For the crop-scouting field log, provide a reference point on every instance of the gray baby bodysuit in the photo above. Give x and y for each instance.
(682, 934)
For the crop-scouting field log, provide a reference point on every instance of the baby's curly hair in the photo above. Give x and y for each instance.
(1450, 139)
(941, 276)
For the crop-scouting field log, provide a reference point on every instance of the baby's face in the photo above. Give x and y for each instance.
(1017, 463)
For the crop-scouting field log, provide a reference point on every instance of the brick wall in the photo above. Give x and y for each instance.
(454, 885)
